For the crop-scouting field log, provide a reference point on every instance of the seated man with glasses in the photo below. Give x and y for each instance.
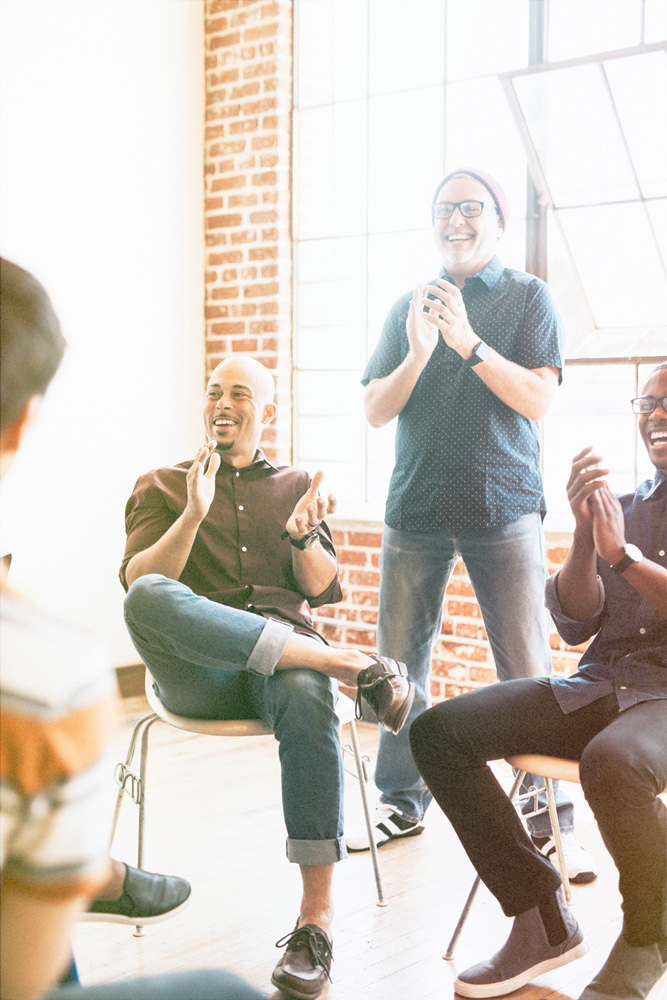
(611, 716)
(469, 363)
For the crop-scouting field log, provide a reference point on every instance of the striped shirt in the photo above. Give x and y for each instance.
(57, 705)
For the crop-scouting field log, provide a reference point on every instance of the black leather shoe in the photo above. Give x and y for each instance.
(146, 899)
(303, 970)
(386, 688)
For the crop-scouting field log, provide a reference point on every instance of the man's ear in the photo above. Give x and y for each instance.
(270, 411)
(11, 437)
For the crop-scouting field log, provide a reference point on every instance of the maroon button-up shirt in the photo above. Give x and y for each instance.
(238, 557)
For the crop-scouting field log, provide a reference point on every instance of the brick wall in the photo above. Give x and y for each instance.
(462, 658)
(248, 145)
(248, 205)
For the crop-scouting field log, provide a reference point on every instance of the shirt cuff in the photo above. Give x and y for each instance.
(571, 629)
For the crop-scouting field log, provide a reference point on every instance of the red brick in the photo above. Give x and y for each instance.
(469, 630)
(364, 578)
(367, 539)
(248, 236)
(224, 293)
(244, 346)
(459, 587)
(214, 346)
(223, 221)
(224, 41)
(211, 203)
(263, 31)
(369, 617)
(231, 257)
(247, 125)
(228, 329)
(245, 90)
(365, 597)
(463, 609)
(332, 633)
(263, 253)
(350, 557)
(338, 537)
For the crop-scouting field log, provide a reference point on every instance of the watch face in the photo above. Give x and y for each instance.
(311, 541)
(634, 553)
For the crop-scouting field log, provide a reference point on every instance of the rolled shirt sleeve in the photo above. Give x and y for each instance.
(574, 632)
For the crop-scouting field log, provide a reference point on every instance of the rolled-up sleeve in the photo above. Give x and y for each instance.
(574, 632)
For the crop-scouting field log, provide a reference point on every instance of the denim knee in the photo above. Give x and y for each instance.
(303, 695)
(142, 595)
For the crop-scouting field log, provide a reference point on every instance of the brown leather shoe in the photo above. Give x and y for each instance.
(303, 970)
(386, 688)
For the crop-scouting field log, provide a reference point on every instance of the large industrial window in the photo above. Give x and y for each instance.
(564, 102)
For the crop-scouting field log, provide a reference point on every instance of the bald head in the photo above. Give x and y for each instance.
(238, 405)
(249, 372)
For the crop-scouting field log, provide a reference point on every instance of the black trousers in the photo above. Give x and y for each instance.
(623, 767)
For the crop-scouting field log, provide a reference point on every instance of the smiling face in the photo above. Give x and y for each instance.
(237, 407)
(653, 426)
(467, 245)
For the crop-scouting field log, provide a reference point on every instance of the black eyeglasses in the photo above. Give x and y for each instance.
(468, 209)
(647, 404)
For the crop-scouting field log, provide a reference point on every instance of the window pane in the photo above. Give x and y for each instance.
(405, 158)
(639, 89)
(481, 132)
(655, 20)
(485, 38)
(319, 260)
(581, 27)
(396, 263)
(576, 135)
(590, 408)
(331, 164)
(657, 211)
(406, 44)
(335, 70)
(615, 254)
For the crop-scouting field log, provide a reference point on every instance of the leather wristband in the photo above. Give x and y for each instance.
(303, 543)
(632, 555)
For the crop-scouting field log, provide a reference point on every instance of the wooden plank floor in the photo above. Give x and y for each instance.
(214, 817)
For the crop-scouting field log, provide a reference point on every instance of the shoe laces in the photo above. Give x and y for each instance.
(315, 940)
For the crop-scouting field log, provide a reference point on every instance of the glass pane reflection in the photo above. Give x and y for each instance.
(639, 89)
(581, 151)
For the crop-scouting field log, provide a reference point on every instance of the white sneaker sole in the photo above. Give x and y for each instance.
(481, 991)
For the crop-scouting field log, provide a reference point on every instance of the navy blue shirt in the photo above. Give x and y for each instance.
(464, 459)
(628, 656)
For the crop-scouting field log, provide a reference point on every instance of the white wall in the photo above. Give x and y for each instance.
(101, 197)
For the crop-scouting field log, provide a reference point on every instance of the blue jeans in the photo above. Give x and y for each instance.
(210, 661)
(507, 570)
(203, 984)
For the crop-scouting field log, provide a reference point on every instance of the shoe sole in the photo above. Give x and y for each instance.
(396, 720)
(582, 878)
(387, 840)
(291, 993)
(481, 991)
(122, 918)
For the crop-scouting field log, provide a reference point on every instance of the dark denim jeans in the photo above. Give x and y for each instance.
(623, 767)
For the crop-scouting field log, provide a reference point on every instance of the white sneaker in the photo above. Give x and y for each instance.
(578, 862)
(387, 824)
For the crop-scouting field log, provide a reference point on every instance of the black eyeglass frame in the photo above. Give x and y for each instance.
(662, 400)
(458, 204)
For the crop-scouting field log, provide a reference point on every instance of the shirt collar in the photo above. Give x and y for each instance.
(490, 274)
(260, 460)
(658, 481)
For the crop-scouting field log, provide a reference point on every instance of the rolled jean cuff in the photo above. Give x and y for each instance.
(269, 647)
(316, 852)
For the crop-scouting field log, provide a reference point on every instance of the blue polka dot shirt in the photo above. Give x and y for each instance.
(464, 459)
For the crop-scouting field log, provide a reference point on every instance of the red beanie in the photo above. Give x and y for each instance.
(492, 186)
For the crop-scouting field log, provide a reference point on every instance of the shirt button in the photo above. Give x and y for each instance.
(243, 548)
(642, 631)
(238, 474)
(661, 552)
(624, 687)
(240, 506)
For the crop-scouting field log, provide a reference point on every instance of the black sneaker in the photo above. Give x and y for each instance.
(387, 825)
(146, 899)
(386, 688)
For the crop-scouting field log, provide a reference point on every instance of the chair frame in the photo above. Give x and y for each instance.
(560, 769)
(133, 783)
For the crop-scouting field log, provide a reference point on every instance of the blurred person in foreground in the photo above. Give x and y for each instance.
(57, 702)
(611, 716)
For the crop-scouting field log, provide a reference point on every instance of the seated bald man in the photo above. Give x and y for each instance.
(225, 556)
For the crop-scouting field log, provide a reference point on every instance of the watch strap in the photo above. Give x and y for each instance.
(301, 543)
(480, 352)
(632, 555)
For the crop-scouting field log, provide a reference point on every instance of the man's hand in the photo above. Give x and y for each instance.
(448, 315)
(422, 334)
(608, 525)
(201, 485)
(586, 479)
(310, 509)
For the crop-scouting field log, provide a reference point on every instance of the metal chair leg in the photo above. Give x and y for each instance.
(558, 841)
(449, 954)
(367, 816)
